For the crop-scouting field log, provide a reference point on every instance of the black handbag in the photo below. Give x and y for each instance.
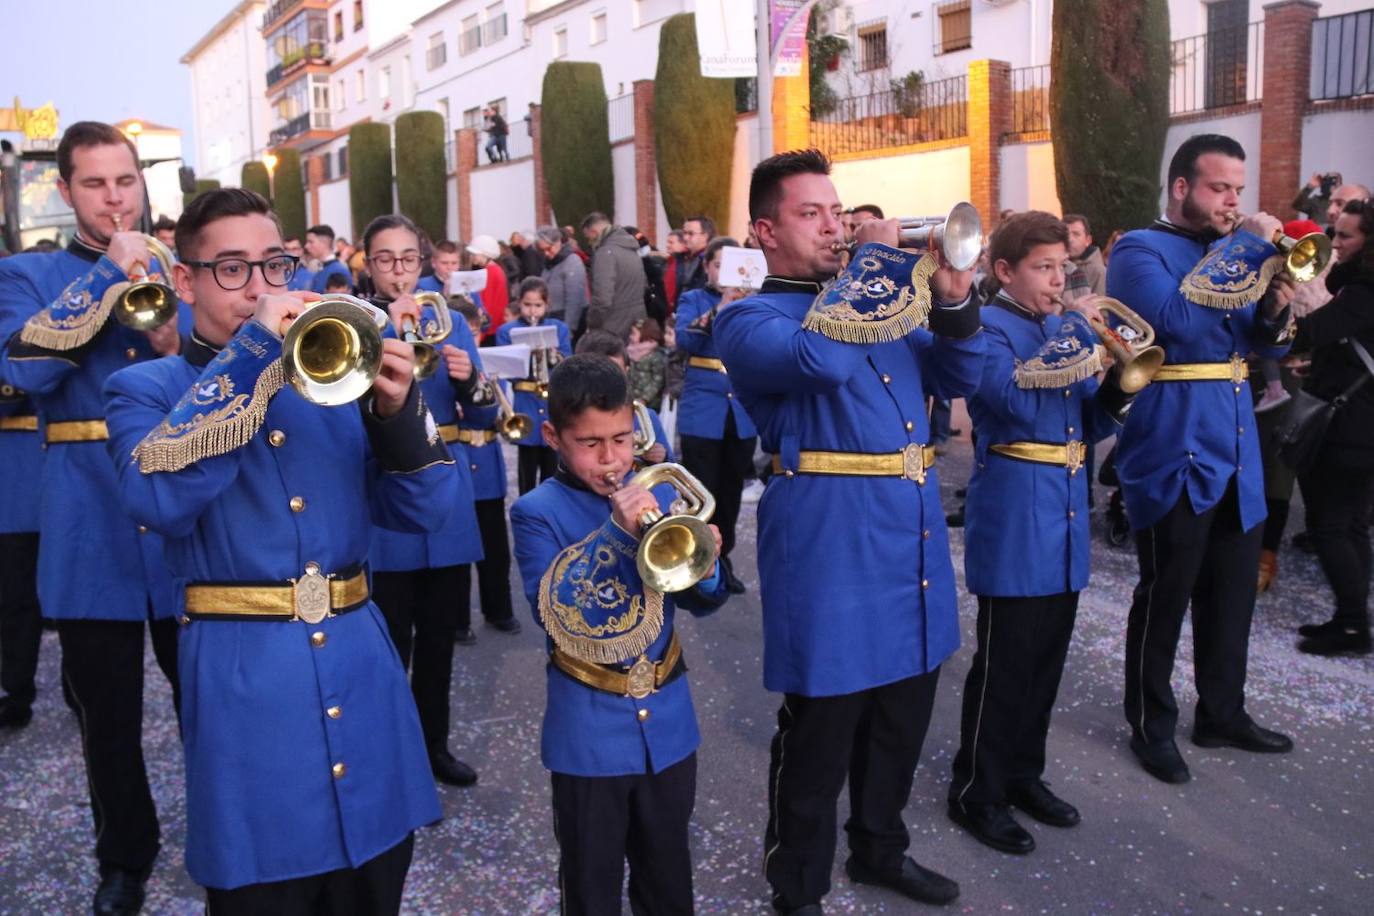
(1304, 424)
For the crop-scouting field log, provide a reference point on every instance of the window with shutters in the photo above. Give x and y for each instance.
(436, 55)
(873, 46)
(955, 26)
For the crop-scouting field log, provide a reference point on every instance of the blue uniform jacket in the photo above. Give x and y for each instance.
(707, 395)
(529, 402)
(458, 542)
(262, 803)
(855, 572)
(1187, 436)
(590, 732)
(487, 462)
(330, 268)
(21, 457)
(1026, 528)
(94, 563)
(302, 279)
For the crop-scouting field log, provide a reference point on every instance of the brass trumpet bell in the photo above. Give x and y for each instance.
(959, 236)
(1305, 257)
(146, 304)
(1136, 356)
(332, 353)
(511, 425)
(676, 551)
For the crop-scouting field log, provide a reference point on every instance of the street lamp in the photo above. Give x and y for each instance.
(270, 160)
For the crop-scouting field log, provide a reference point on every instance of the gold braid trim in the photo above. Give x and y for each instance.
(844, 323)
(207, 435)
(1036, 373)
(42, 330)
(1243, 292)
(637, 628)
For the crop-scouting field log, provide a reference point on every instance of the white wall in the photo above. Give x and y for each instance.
(1028, 178)
(335, 209)
(503, 198)
(1339, 141)
(228, 86)
(916, 184)
(623, 167)
(1189, 17)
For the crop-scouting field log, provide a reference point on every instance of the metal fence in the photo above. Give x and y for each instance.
(1343, 56)
(1224, 67)
(620, 117)
(894, 117)
(1030, 99)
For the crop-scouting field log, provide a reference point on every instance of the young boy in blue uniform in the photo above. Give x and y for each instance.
(537, 460)
(621, 748)
(1027, 547)
(306, 771)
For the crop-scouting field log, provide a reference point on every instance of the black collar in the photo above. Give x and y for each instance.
(566, 477)
(83, 250)
(1008, 304)
(197, 351)
(772, 284)
(1205, 237)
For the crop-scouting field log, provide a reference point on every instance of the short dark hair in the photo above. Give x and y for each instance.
(584, 382)
(676, 233)
(532, 285)
(337, 281)
(591, 219)
(1365, 211)
(385, 222)
(600, 342)
(1071, 218)
(164, 222)
(321, 229)
(716, 244)
(291, 238)
(85, 134)
(465, 307)
(876, 210)
(707, 224)
(1184, 163)
(217, 204)
(765, 185)
(1016, 235)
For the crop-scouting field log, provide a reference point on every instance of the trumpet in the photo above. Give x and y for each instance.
(1134, 351)
(958, 235)
(511, 425)
(541, 367)
(146, 304)
(426, 343)
(1304, 258)
(332, 352)
(678, 550)
(644, 437)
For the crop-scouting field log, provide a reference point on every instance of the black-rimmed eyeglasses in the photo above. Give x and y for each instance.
(386, 261)
(233, 273)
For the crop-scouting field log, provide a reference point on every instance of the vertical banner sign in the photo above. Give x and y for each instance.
(789, 36)
(725, 39)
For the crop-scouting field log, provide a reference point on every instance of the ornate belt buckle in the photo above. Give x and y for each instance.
(310, 597)
(1239, 371)
(639, 680)
(1074, 456)
(914, 463)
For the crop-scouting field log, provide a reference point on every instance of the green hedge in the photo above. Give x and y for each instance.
(694, 128)
(1109, 109)
(369, 173)
(575, 141)
(254, 177)
(202, 185)
(289, 200)
(420, 177)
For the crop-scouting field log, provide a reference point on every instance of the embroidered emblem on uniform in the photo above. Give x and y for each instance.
(1235, 273)
(76, 317)
(883, 295)
(1070, 356)
(589, 610)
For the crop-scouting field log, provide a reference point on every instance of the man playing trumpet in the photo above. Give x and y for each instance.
(1189, 457)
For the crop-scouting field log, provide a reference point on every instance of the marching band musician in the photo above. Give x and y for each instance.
(305, 766)
(858, 592)
(423, 581)
(620, 733)
(1027, 541)
(537, 461)
(100, 575)
(21, 621)
(1189, 456)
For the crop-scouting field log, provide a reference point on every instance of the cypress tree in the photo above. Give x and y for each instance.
(254, 177)
(289, 200)
(575, 141)
(202, 185)
(369, 166)
(420, 178)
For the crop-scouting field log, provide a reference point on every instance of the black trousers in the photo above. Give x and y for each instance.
(1206, 559)
(372, 889)
(600, 822)
(1338, 500)
(722, 465)
(1009, 695)
(493, 572)
(422, 608)
(21, 621)
(874, 737)
(536, 463)
(102, 661)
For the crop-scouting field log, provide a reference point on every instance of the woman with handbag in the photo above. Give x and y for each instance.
(1338, 478)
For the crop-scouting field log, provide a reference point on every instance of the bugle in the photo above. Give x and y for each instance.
(511, 425)
(1304, 258)
(428, 336)
(678, 550)
(958, 235)
(332, 352)
(146, 304)
(644, 437)
(1132, 347)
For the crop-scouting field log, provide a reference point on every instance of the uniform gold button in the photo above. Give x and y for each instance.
(887, 379)
(787, 473)
(333, 712)
(297, 504)
(910, 426)
(338, 770)
(142, 529)
(1237, 389)
(474, 467)
(643, 715)
(729, 395)
(184, 620)
(1070, 430)
(925, 583)
(317, 639)
(1066, 392)
(1240, 430)
(276, 437)
(131, 353)
(1072, 513)
(925, 535)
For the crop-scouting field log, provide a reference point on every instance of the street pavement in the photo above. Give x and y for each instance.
(1249, 834)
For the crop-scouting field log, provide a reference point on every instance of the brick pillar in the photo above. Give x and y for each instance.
(792, 109)
(314, 172)
(989, 117)
(646, 163)
(543, 213)
(464, 162)
(1287, 60)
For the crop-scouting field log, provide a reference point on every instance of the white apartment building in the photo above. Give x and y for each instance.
(228, 93)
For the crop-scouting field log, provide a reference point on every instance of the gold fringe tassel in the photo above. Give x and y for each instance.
(1220, 299)
(41, 331)
(911, 314)
(588, 648)
(1029, 375)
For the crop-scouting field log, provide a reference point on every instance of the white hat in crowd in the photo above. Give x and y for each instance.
(485, 245)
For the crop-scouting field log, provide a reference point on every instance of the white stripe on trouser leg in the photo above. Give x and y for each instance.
(982, 699)
(777, 787)
(1145, 629)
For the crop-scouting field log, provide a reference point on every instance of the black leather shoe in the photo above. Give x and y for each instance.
(1036, 799)
(465, 637)
(920, 884)
(509, 625)
(120, 893)
(993, 825)
(450, 770)
(1337, 641)
(14, 714)
(1161, 760)
(1245, 737)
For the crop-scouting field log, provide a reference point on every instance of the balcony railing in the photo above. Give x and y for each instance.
(1343, 56)
(620, 117)
(1222, 68)
(314, 52)
(311, 120)
(895, 117)
(1030, 99)
(278, 10)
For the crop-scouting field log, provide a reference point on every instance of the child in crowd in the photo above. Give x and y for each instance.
(648, 361)
(537, 461)
(604, 343)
